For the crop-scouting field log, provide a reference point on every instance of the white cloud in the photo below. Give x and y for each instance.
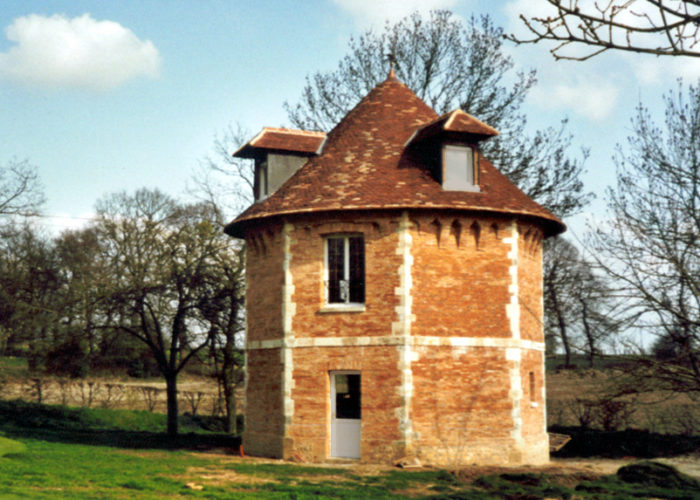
(653, 70)
(527, 8)
(592, 101)
(59, 52)
(65, 222)
(375, 12)
(590, 89)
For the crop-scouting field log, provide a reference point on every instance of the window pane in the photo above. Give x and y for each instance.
(347, 396)
(261, 179)
(357, 269)
(335, 268)
(264, 179)
(458, 168)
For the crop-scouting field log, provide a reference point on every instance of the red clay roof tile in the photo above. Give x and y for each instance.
(454, 121)
(365, 165)
(282, 139)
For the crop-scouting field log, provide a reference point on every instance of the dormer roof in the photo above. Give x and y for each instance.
(287, 140)
(454, 124)
(365, 164)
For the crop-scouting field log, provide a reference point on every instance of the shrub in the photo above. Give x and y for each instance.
(607, 413)
(657, 474)
(69, 359)
(613, 414)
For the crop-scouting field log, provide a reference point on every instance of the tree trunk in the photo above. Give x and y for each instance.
(229, 383)
(565, 342)
(171, 393)
(230, 397)
(561, 322)
(590, 340)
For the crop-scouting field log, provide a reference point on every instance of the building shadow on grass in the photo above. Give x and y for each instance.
(622, 444)
(115, 428)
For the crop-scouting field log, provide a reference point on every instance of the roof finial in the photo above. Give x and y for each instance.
(392, 60)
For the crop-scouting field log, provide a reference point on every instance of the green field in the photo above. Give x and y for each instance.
(58, 452)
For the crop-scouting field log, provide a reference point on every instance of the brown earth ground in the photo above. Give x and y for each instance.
(566, 472)
(575, 468)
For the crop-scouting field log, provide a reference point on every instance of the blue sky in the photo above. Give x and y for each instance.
(156, 81)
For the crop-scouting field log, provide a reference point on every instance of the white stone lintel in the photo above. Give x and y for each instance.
(398, 340)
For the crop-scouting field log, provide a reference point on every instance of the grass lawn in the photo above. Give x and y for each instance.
(81, 453)
(59, 470)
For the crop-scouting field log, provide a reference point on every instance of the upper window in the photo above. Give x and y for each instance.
(260, 180)
(458, 172)
(345, 270)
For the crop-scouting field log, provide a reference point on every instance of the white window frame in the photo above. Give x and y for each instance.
(346, 306)
(460, 182)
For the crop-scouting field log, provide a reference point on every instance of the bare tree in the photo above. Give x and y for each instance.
(651, 246)
(447, 63)
(659, 27)
(20, 190)
(30, 288)
(85, 276)
(450, 64)
(225, 185)
(559, 279)
(223, 182)
(581, 310)
(20, 194)
(163, 258)
(223, 309)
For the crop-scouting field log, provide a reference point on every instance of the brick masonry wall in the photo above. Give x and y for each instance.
(449, 382)
(460, 277)
(381, 278)
(460, 398)
(533, 407)
(264, 281)
(310, 430)
(530, 282)
(264, 429)
(381, 439)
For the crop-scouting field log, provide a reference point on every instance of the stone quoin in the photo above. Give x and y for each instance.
(394, 292)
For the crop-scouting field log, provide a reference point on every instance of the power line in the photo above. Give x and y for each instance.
(50, 216)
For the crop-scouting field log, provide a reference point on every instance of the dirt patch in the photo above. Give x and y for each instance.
(581, 468)
(687, 464)
(369, 469)
(219, 477)
(568, 473)
(565, 472)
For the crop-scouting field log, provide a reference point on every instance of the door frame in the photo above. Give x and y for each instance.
(333, 420)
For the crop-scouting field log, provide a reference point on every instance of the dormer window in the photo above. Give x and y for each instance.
(261, 185)
(459, 168)
(448, 146)
(278, 154)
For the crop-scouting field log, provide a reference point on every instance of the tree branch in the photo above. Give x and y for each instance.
(676, 30)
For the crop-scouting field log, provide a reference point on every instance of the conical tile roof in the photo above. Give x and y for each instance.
(365, 164)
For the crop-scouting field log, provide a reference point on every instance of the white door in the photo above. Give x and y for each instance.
(346, 413)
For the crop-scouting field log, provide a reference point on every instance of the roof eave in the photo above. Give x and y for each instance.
(552, 225)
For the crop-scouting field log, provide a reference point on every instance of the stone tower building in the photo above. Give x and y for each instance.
(394, 292)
